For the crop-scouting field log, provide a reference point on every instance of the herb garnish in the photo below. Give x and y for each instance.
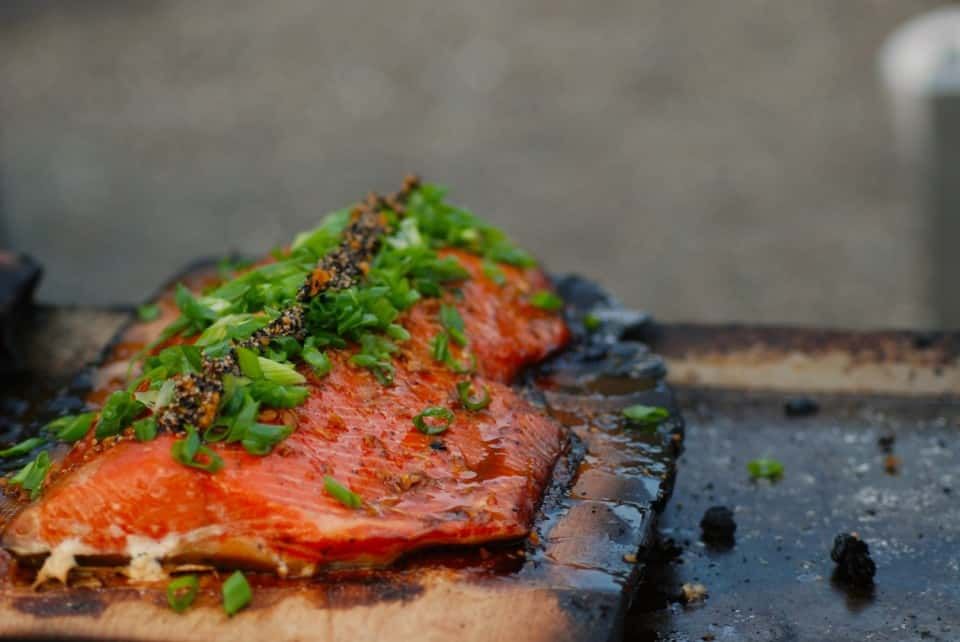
(182, 591)
(765, 468)
(445, 416)
(474, 404)
(148, 312)
(642, 415)
(341, 493)
(31, 476)
(546, 300)
(236, 593)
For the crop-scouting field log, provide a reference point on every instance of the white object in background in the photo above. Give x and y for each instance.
(909, 61)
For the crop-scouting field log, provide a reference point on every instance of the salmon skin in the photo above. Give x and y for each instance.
(478, 481)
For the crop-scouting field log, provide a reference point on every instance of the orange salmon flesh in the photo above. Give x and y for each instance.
(480, 481)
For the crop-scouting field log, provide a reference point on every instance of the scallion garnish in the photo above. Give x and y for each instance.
(236, 593)
(444, 415)
(591, 322)
(341, 493)
(452, 322)
(283, 373)
(187, 450)
(277, 395)
(765, 468)
(148, 312)
(546, 300)
(318, 361)
(493, 272)
(260, 439)
(118, 412)
(642, 415)
(23, 447)
(182, 591)
(31, 476)
(472, 403)
(145, 429)
(249, 363)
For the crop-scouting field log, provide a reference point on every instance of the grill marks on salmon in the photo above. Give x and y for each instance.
(479, 481)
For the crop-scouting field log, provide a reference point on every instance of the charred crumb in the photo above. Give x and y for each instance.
(891, 464)
(718, 525)
(924, 340)
(886, 442)
(800, 407)
(693, 593)
(852, 556)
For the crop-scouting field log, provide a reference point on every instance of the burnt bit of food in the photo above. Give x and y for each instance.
(891, 464)
(800, 407)
(886, 442)
(852, 556)
(718, 525)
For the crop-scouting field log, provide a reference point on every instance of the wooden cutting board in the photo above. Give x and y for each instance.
(571, 580)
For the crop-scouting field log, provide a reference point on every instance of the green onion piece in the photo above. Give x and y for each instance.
(341, 493)
(120, 409)
(31, 476)
(283, 373)
(546, 300)
(765, 468)
(642, 415)
(191, 308)
(165, 395)
(193, 356)
(145, 429)
(249, 363)
(148, 312)
(217, 432)
(397, 332)
(440, 347)
(493, 272)
(261, 438)
(182, 591)
(463, 391)
(445, 415)
(186, 451)
(318, 361)
(72, 427)
(452, 322)
(592, 322)
(23, 447)
(276, 395)
(236, 593)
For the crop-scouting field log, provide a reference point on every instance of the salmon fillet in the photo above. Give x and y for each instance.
(479, 481)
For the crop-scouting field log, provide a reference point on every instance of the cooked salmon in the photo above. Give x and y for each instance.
(480, 480)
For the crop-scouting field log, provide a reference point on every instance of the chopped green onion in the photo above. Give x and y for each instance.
(236, 593)
(165, 395)
(591, 322)
(546, 300)
(318, 361)
(463, 391)
(182, 591)
(341, 493)
(276, 395)
(261, 438)
(145, 429)
(452, 322)
(120, 409)
(31, 476)
(186, 451)
(148, 312)
(71, 428)
(397, 332)
(493, 272)
(249, 363)
(283, 373)
(191, 308)
(23, 447)
(642, 415)
(765, 468)
(445, 415)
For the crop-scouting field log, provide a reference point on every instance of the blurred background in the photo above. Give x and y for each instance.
(705, 160)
